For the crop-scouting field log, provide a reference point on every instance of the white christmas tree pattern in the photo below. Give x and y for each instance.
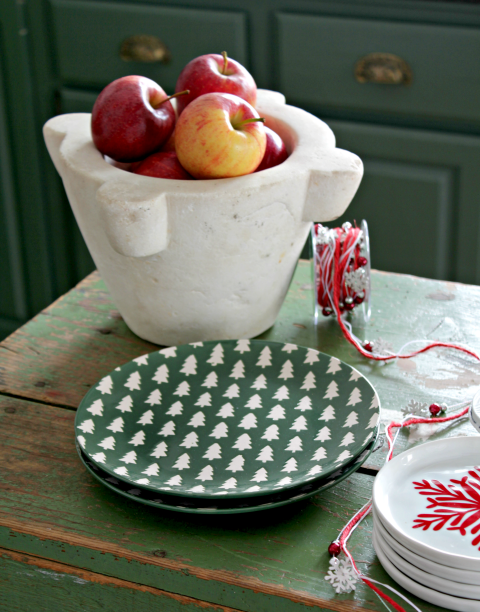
(105, 385)
(343, 456)
(231, 483)
(266, 454)
(138, 438)
(295, 445)
(260, 383)
(312, 357)
(197, 489)
(254, 402)
(265, 358)
(175, 481)
(290, 465)
(227, 410)
(96, 409)
(243, 442)
(205, 474)
(161, 375)
(197, 420)
(355, 375)
(146, 418)
(183, 462)
(320, 454)
(238, 370)
(108, 443)
(155, 398)
(81, 441)
(316, 469)
(271, 433)
(168, 429)
(196, 344)
(116, 425)
(332, 391)
(134, 381)
(276, 413)
(170, 351)
(375, 402)
(99, 457)
(220, 431)
(355, 397)
(152, 470)
(328, 414)
(175, 409)
(373, 421)
(304, 404)
(243, 346)
(125, 404)
(285, 481)
(288, 348)
(190, 366)
(142, 481)
(211, 380)
(183, 389)
(334, 366)
(299, 424)
(204, 400)
(352, 419)
(232, 391)
(190, 441)
(213, 452)
(323, 434)
(121, 471)
(217, 355)
(130, 457)
(348, 439)
(309, 382)
(87, 426)
(142, 360)
(260, 475)
(282, 393)
(249, 421)
(236, 464)
(160, 450)
(287, 370)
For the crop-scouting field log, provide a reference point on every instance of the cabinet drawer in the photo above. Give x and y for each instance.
(89, 35)
(318, 56)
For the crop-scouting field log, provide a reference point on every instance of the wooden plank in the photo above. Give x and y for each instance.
(63, 351)
(51, 508)
(33, 584)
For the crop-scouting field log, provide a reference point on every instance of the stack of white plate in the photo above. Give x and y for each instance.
(426, 507)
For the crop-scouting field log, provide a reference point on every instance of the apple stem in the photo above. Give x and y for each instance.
(175, 95)
(225, 62)
(252, 120)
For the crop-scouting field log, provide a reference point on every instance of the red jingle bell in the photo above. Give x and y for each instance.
(362, 261)
(334, 549)
(435, 409)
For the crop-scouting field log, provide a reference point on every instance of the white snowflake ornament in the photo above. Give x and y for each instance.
(382, 347)
(341, 575)
(414, 408)
(357, 280)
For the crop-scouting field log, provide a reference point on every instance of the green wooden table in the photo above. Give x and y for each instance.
(69, 544)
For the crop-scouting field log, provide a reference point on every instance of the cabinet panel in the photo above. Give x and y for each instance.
(88, 37)
(419, 196)
(317, 57)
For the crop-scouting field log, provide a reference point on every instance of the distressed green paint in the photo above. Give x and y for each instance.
(52, 508)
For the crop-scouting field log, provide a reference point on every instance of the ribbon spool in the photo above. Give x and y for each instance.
(341, 265)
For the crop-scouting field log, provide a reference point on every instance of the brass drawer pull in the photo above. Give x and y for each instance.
(383, 68)
(144, 48)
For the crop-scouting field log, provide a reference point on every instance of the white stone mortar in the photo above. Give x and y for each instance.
(187, 261)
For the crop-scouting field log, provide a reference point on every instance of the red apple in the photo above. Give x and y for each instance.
(275, 152)
(170, 144)
(209, 73)
(132, 117)
(162, 165)
(219, 135)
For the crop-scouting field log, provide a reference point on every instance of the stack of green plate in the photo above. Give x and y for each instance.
(224, 427)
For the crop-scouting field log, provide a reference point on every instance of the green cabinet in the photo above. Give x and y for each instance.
(419, 139)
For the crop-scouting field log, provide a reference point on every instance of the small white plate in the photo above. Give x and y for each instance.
(437, 569)
(444, 585)
(429, 595)
(425, 497)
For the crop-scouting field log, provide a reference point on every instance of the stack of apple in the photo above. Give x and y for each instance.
(218, 133)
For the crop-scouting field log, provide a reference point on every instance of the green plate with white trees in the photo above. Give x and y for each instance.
(237, 418)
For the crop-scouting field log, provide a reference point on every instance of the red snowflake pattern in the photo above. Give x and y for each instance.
(457, 505)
